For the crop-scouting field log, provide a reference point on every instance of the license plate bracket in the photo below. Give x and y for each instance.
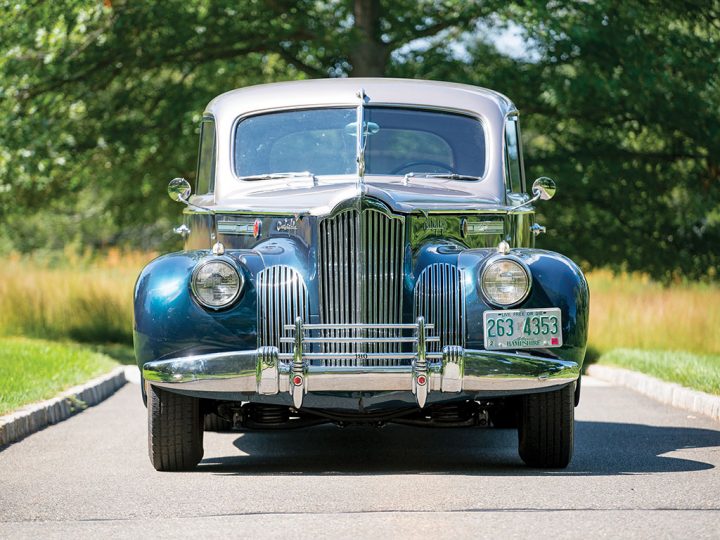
(522, 329)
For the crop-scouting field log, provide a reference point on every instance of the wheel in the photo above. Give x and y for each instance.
(175, 430)
(214, 422)
(546, 428)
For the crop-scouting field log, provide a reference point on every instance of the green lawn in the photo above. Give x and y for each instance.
(33, 370)
(698, 371)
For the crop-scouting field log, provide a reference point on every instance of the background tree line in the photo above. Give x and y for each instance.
(620, 102)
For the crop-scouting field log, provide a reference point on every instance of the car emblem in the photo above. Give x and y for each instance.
(434, 225)
(287, 225)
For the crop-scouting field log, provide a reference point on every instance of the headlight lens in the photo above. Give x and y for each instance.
(505, 282)
(216, 284)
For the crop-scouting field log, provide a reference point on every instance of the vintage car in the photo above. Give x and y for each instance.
(360, 251)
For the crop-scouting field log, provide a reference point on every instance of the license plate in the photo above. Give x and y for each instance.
(523, 329)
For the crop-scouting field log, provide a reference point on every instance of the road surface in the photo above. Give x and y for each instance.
(641, 469)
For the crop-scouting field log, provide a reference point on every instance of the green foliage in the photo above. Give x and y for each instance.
(629, 120)
(621, 104)
(701, 372)
(100, 103)
(33, 370)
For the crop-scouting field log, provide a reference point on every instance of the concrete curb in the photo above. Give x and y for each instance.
(665, 392)
(31, 418)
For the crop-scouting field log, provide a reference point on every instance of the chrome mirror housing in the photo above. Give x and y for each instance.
(544, 188)
(179, 190)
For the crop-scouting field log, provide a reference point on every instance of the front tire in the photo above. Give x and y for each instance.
(175, 430)
(546, 428)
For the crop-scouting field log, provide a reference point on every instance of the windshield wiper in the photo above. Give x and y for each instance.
(449, 176)
(276, 175)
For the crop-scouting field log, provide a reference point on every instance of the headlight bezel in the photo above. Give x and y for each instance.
(212, 260)
(500, 258)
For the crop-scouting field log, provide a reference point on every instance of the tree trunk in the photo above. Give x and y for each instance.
(369, 55)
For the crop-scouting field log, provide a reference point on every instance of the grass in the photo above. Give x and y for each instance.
(78, 298)
(672, 333)
(631, 311)
(701, 372)
(32, 370)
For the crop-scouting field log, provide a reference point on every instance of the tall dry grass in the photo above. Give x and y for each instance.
(79, 297)
(631, 311)
(89, 298)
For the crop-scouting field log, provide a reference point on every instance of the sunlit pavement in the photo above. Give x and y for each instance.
(640, 469)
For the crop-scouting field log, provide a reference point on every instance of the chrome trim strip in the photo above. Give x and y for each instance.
(430, 339)
(351, 356)
(360, 326)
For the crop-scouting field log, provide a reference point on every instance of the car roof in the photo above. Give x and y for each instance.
(344, 91)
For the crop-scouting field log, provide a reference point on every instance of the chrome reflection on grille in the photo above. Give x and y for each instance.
(440, 298)
(281, 297)
(360, 276)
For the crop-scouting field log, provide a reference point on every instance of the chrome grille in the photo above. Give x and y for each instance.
(440, 299)
(360, 276)
(281, 297)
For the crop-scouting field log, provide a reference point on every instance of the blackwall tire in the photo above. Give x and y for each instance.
(175, 430)
(546, 428)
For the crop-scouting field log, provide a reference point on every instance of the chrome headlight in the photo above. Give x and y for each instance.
(505, 282)
(216, 283)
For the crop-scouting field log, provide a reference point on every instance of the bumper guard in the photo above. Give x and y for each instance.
(455, 369)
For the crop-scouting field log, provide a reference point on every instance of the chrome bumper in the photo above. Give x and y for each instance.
(267, 371)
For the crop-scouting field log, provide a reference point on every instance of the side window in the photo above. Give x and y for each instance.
(206, 158)
(513, 156)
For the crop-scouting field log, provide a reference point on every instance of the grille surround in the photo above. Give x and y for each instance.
(282, 296)
(440, 299)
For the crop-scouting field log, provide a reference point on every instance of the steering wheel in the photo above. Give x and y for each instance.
(431, 163)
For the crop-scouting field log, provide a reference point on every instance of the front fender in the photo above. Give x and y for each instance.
(169, 322)
(556, 282)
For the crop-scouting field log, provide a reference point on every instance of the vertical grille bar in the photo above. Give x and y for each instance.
(440, 299)
(282, 297)
(360, 268)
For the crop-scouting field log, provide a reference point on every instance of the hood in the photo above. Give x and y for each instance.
(300, 196)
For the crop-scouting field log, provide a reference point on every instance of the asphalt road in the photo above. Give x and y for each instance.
(641, 469)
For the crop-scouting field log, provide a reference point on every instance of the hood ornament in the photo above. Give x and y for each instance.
(361, 139)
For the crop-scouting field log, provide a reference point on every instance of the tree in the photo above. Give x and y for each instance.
(99, 105)
(621, 104)
(100, 102)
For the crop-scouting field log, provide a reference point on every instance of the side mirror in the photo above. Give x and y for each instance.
(544, 188)
(179, 190)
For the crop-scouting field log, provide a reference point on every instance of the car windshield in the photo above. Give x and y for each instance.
(323, 141)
